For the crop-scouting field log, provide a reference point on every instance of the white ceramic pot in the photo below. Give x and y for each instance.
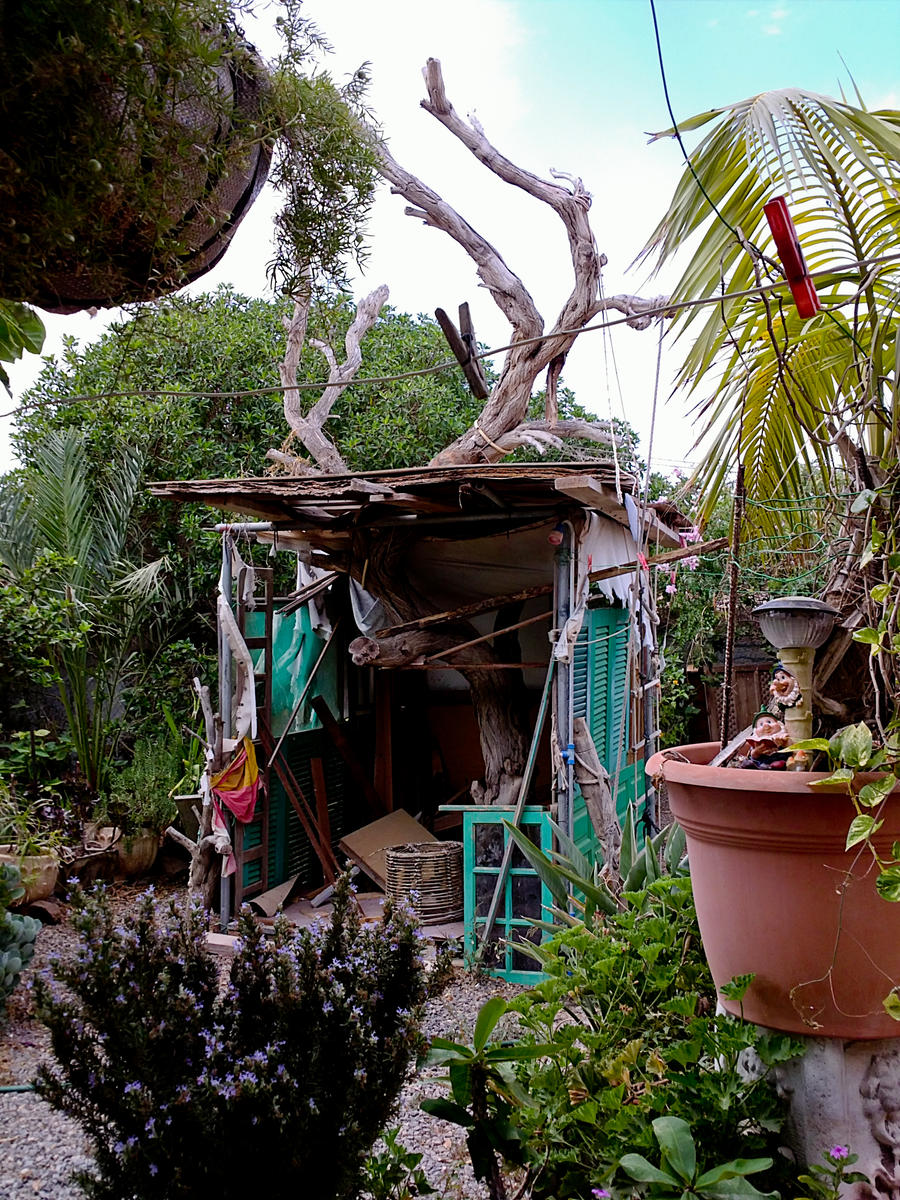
(39, 873)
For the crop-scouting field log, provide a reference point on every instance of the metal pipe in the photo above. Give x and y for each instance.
(226, 584)
(243, 526)
(563, 691)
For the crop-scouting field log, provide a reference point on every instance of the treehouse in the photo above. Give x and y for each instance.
(455, 642)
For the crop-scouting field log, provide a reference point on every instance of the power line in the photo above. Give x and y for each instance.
(665, 309)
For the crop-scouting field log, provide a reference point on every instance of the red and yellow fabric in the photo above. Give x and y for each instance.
(237, 785)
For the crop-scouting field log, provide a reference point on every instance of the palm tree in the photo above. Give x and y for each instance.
(792, 399)
(54, 515)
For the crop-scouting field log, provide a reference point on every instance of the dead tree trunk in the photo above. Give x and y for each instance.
(503, 425)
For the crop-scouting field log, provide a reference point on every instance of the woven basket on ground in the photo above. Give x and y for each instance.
(428, 876)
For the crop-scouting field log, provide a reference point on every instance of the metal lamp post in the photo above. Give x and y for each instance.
(796, 626)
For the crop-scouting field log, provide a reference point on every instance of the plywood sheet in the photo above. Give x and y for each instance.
(366, 846)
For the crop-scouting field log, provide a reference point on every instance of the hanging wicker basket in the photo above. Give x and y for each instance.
(428, 877)
(126, 169)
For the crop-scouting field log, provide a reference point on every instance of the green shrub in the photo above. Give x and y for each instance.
(17, 934)
(286, 1077)
(629, 1010)
(140, 794)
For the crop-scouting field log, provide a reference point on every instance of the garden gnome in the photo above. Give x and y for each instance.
(784, 691)
(766, 747)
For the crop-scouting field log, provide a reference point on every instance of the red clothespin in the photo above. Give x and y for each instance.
(788, 245)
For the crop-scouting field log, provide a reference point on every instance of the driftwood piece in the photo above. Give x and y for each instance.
(593, 779)
(309, 428)
(659, 560)
(503, 424)
(727, 753)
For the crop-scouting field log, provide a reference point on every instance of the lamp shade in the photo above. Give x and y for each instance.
(795, 621)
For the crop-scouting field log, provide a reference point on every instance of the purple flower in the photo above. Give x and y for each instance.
(600, 1193)
(839, 1152)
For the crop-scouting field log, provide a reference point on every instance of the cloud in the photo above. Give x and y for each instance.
(772, 20)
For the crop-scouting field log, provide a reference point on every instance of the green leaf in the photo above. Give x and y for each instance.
(549, 873)
(856, 746)
(812, 744)
(488, 1016)
(863, 501)
(676, 844)
(446, 1110)
(841, 775)
(645, 1172)
(891, 1004)
(874, 793)
(861, 828)
(461, 1083)
(868, 636)
(880, 592)
(628, 850)
(731, 1170)
(888, 884)
(677, 1145)
(520, 1052)
(736, 988)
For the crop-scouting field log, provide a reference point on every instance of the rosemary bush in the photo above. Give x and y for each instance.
(287, 1075)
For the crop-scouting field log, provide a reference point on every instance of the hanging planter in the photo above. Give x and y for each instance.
(134, 137)
(779, 897)
(133, 145)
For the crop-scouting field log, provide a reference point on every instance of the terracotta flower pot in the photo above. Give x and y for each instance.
(777, 895)
(38, 872)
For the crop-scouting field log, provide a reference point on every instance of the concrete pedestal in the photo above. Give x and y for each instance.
(848, 1094)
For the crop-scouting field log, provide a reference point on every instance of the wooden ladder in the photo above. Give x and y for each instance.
(265, 576)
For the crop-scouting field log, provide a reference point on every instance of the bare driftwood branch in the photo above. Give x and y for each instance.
(503, 424)
(310, 429)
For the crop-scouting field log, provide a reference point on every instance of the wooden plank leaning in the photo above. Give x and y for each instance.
(520, 806)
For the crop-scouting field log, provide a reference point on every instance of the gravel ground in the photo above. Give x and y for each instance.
(40, 1148)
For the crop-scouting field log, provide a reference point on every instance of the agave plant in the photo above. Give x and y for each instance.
(575, 882)
(56, 514)
(792, 399)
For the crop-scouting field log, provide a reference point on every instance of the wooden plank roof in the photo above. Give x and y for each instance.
(452, 497)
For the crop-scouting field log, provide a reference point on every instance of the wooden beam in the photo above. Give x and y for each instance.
(487, 637)
(660, 560)
(589, 491)
(320, 707)
(464, 349)
(467, 610)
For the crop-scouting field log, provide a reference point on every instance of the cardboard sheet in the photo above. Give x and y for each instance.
(366, 846)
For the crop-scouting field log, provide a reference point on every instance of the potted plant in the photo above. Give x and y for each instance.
(28, 844)
(140, 806)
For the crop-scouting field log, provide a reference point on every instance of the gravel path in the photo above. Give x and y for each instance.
(40, 1148)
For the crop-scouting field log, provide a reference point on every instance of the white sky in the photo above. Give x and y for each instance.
(566, 84)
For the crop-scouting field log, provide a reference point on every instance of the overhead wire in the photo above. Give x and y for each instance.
(664, 309)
